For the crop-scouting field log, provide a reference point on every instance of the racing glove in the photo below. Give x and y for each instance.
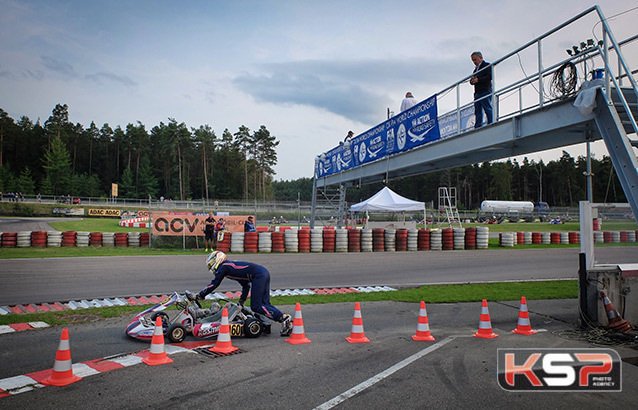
(242, 301)
(199, 296)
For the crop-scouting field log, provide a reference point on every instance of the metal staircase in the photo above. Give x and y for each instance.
(447, 203)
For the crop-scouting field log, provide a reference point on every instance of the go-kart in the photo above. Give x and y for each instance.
(191, 318)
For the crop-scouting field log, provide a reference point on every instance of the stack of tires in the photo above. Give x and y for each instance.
(23, 239)
(265, 242)
(470, 238)
(9, 239)
(108, 239)
(615, 237)
(54, 239)
(341, 240)
(96, 239)
(82, 239)
(436, 240)
(121, 239)
(354, 240)
(134, 239)
(598, 237)
(224, 244)
(378, 239)
(546, 238)
(631, 236)
(145, 238)
(401, 241)
(459, 239)
(554, 237)
(527, 238)
(520, 238)
(251, 242)
(366, 240)
(482, 237)
(574, 237)
(291, 240)
(506, 239)
(448, 239)
(390, 240)
(237, 242)
(68, 238)
(537, 238)
(39, 239)
(316, 240)
(413, 235)
(329, 240)
(564, 238)
(278, 242)
(424, 239)
(607, 236)
(304, 240)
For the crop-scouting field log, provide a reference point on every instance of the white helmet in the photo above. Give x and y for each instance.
(214, 261)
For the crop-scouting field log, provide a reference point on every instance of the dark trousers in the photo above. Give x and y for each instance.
(260, 295)
(481, 105)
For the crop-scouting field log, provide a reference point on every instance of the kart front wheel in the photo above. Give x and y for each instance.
(252, 328)
(176, 333)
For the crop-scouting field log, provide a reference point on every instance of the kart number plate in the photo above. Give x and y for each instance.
(235, 329)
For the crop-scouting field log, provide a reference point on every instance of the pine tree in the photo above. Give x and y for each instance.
(126, 187)
(57, 165)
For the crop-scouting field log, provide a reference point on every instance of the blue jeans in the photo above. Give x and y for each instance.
(483, 105)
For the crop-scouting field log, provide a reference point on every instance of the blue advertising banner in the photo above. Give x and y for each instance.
(409, 129)
(448, 124)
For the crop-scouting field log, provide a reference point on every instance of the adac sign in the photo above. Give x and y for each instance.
(178, 223)
(104, 212)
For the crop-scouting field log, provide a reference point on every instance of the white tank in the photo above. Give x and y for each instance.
(505, 207)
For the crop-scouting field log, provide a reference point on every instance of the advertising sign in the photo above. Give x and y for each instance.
(191, 223)
(104, 212)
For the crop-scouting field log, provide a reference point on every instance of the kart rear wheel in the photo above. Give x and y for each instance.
(252, 328)
(176, 333)
(165, 319)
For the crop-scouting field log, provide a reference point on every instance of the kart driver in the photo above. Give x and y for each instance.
(245, 273)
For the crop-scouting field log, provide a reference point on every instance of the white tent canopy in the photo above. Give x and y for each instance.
(387, 200)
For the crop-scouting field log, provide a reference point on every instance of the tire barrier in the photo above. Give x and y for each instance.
(482, 237)
(134, 239)
(506, 239)
(520, 238)
(554, 237)
(448, 239)
(607, 236)
(354, 240)
(436, 240)
(291, 240)
(265, 242)
(96, 239)
(108, 239)
(316, 240)
(303, 236)
(598, 237)
(390, 239)
(341, 240)
(366, 240)
(39, 239)
(9, 239)
(423, 239)
(237, 242)
(378, 240)
(136, 223)
(459, 239)
(413, 240)
(631, 236)
(536, 238)
(54, 239)
(401, 241)
(546, 238)
(224, 244)
(251, 242)
(68, 238)
(82, 239)
(329, 240)
(121, 239)
(574, 237)
(278, 242)
(564, 238)
(470, 238)
(23, 239)
(145, 238)
(615, 237)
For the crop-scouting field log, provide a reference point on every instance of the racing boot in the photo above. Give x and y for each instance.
(286, 325)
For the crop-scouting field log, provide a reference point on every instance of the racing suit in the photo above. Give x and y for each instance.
(246, 273)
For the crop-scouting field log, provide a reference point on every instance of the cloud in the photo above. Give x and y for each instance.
(57, 66)
(121, 79)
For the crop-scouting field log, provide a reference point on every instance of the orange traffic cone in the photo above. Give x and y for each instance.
(523, 327)
(485, 324)
(298, 335)
(357, 335)
(157, 353)
(223, 344)
(423, 326)
(62, 369)
(616, 322)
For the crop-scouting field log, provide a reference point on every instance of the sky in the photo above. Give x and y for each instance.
(308, 71)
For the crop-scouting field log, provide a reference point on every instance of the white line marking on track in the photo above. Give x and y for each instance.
(380, 376)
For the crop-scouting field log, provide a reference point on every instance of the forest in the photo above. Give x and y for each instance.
(174, 161)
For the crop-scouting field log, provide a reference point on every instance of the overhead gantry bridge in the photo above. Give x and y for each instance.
(531, 114)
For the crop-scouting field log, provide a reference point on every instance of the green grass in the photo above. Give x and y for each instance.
(560, 289)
